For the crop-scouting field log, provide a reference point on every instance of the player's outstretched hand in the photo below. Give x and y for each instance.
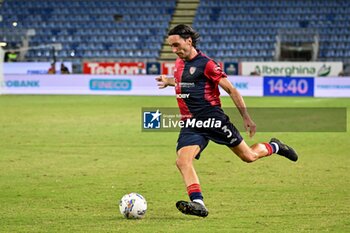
(162, 81)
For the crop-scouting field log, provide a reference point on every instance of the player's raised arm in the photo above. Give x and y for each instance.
(236, 97)
(164, 81)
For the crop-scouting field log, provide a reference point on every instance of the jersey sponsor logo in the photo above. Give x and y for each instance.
(182, 96)
(192, 70)
(182, 84)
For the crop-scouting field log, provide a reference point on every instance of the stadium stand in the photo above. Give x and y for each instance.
(184, 14)
(248, 29)
(239, 30)
(90, 29)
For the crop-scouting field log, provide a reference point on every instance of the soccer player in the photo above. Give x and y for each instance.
(196, 80)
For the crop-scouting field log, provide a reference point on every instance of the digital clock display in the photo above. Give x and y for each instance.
(291, 86)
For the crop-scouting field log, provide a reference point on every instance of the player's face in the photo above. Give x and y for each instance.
(182, 47)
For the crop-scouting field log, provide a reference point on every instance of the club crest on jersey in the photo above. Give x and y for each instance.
(192, 70)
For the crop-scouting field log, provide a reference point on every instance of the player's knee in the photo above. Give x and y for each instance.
(182, 162)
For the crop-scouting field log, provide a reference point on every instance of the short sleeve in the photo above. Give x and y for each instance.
(214, 72)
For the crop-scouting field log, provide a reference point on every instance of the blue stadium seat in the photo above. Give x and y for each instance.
(254, 24)
(90, 25)
(240, 29)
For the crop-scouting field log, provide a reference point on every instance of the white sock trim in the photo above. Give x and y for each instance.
(199, 201)
(276, 145)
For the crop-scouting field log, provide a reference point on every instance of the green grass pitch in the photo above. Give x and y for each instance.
(65, 161)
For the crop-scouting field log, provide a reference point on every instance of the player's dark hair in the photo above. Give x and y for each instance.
(185, 32)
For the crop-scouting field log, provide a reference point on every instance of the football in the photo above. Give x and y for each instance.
(133, 206)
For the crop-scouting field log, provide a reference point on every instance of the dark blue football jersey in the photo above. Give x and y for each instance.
(196, 86)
